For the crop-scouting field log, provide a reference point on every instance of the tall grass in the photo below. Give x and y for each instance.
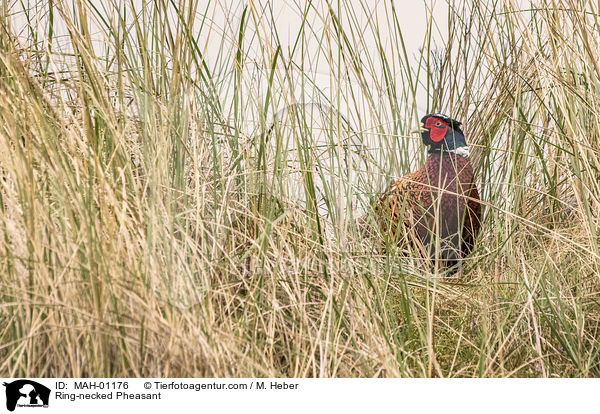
(165, 211)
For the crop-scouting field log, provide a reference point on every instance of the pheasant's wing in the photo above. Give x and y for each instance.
(472, 222)
(404, 204)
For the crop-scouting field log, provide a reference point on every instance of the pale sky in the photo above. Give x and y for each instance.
(222, 19)
(283, 18)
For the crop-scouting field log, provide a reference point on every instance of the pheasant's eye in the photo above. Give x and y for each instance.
(438, 123)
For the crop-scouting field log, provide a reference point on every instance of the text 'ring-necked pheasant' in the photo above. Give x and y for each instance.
(436, 206)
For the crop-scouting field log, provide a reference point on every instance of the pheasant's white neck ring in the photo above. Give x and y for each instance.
(462, 151)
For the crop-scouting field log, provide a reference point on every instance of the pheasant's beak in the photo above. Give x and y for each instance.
(419, 130)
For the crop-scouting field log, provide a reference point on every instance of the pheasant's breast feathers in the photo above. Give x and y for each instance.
(444, 186)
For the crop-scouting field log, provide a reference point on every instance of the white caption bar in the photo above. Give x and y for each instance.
(154, 395)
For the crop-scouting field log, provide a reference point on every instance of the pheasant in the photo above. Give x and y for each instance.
(438, 204)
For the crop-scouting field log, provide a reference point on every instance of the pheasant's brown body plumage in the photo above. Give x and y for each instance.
(438, 202)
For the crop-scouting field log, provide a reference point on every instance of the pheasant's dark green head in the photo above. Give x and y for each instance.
(441, 133)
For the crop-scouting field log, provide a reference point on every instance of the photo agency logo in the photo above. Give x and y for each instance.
(26, 393)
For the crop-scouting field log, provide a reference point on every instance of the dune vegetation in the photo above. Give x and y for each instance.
(149, 224)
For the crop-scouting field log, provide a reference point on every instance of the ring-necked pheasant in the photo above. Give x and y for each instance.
(437, 205)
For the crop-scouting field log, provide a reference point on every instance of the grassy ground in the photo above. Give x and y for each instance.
(148, 224)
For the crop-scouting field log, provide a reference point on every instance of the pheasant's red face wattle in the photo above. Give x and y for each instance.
(437, 128)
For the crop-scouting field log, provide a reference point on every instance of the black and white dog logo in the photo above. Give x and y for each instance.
(26, 393)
